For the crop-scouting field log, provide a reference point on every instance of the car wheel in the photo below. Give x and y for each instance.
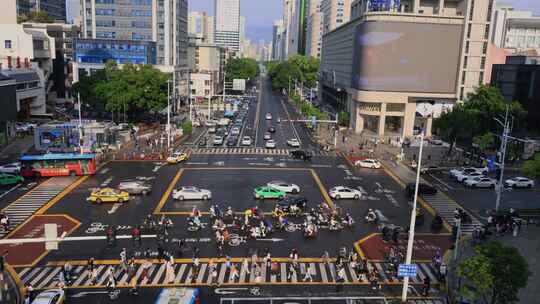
(338, 196)
(98, 201)
(294, 190)
(280, 197)
(205, 197)
(356, 196)
(144, 192)
(180, 198)
(530, 186)
(120, 200)
(257, 196)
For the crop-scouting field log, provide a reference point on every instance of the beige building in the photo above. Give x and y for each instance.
(314, 29)
(201, 26)
(335, 13)
(410, 63)
(206, 62)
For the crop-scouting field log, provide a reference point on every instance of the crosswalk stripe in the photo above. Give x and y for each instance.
(47, 277)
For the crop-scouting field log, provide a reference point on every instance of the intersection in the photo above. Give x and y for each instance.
(231, 174)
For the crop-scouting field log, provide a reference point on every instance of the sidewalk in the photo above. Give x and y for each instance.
(16, 148)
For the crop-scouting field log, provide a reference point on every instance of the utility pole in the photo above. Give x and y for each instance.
(504, 143)
(80, 124)
(289, 91)
(336, 131)
(224, 85)
(168, 114)
(458, 233)
(413, 221)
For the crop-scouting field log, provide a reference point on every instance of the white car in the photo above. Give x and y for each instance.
(480, 182)
(191, 193)
(268, 116)
(218, 140)
(212, 130)
(468, 170)
(463, 176)
(284, 186)
(519, 182)
(340, 192)
(51, 296)
(368, 163)
(235, 131)
(293, 142)
(246, 141)
(270, 144)
(13, 168)
(267, 136)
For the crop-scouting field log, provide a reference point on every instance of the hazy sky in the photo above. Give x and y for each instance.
(260, 14)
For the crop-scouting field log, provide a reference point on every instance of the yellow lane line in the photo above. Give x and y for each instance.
(250, 168)
(322, 189)
(357, 244)
(167, 193)
(62, 194)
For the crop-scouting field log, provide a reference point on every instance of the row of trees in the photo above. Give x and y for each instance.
(132, 88)
(298, 68)
(242, 68)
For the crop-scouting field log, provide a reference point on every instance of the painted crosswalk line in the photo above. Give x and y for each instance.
(44, 277)
(247, 151)
(23, 208)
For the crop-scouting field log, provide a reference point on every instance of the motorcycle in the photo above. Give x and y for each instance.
(194, 224)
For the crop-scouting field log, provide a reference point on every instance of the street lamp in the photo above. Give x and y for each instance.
(80, 123)
(504, 143)
(168, 114)
(413, 220)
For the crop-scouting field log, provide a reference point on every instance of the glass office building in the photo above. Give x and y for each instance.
(99, 51)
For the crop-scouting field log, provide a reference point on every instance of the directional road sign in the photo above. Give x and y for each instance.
(407, 270)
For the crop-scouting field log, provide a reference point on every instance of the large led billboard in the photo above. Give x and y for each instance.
(406, 57)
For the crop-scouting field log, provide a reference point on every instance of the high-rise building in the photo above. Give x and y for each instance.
(277, 31)
(199, 26)
(54, 8)
(242, 33)
(335, 13)
(166, 24)
(395, 70)
(290, 32)
(518, 30)
(227, 24)
(210, 26)
(314, 29)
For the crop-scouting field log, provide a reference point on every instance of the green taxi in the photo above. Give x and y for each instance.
(10, 179)
(268, 192)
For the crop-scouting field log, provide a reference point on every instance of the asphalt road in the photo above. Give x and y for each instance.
(478, 201)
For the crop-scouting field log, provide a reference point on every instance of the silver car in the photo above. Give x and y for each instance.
(135, 187)
(191, 193)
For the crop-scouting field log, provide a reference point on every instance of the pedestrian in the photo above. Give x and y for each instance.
(442, 272)
(180, 250)
(169, 271)
(427, 286)
(213, 273)
(31, 294)
(245, 265)
(307, 275)
(196, 252)
(326, 258)
(146, 268)
(67, 272)
(131, 268)
(234, 272)
(292, 271)
(294, 255)
(267, 259)
(228, 262)
(274, 269)
(124, 259)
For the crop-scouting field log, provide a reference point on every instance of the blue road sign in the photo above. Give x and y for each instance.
(407, 270)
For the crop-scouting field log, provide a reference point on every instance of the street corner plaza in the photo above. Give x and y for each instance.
(28, 254)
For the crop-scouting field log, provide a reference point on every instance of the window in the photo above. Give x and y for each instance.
(472, 10)
(105, 23)
(467, 47)
(481, 78)
(105, 12)
(486, 32)
(104, 1)
(483, 63)
(465, 61)
(21, 86)
(484, 48)
(7, 44)
(461, 93)
(207, 82)
(33, 84)
(463, 77)
(469, 29)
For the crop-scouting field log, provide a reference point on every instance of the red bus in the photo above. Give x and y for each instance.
(58, 164)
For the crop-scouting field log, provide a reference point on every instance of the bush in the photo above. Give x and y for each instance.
(187, 128)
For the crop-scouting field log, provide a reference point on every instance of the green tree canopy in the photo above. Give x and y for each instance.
(532, 167)
(242, 68)
(297, 68)
(476, 116)
(495, 273)
(37, 17)
(135, 88)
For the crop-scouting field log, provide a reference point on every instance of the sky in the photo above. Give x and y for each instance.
(260, 14)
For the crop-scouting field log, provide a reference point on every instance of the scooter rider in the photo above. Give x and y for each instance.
(229, 213)
(333, 224)
(371, 216)
(348, 220)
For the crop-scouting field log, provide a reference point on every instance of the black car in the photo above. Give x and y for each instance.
(231, 142)
(272, 130)
(287, 202)
(423, 189)
(301, 154)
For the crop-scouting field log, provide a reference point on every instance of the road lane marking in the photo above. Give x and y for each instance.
(167, 193)
(107, 181)
(114, 208)
(10, 190)
(257, 114)
(322, 189)
(440, 181)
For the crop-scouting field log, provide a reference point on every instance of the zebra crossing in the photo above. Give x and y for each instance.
(445, 207)
(247, 151)
(23, 208)
(43, 277)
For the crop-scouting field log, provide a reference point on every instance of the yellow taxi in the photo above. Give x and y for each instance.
(177, 157)
(106, 195)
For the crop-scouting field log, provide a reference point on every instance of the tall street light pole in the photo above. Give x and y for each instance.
(504, 143)
(168, 114)
(413, 221)
(80, 123)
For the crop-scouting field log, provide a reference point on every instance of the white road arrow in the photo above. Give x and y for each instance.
(282, 165)
(85, 293)
(271, 240)
(114, 208)
(229, 290)
(193, 163)
(258, 164)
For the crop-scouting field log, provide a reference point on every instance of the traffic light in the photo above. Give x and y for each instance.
(136, 235)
